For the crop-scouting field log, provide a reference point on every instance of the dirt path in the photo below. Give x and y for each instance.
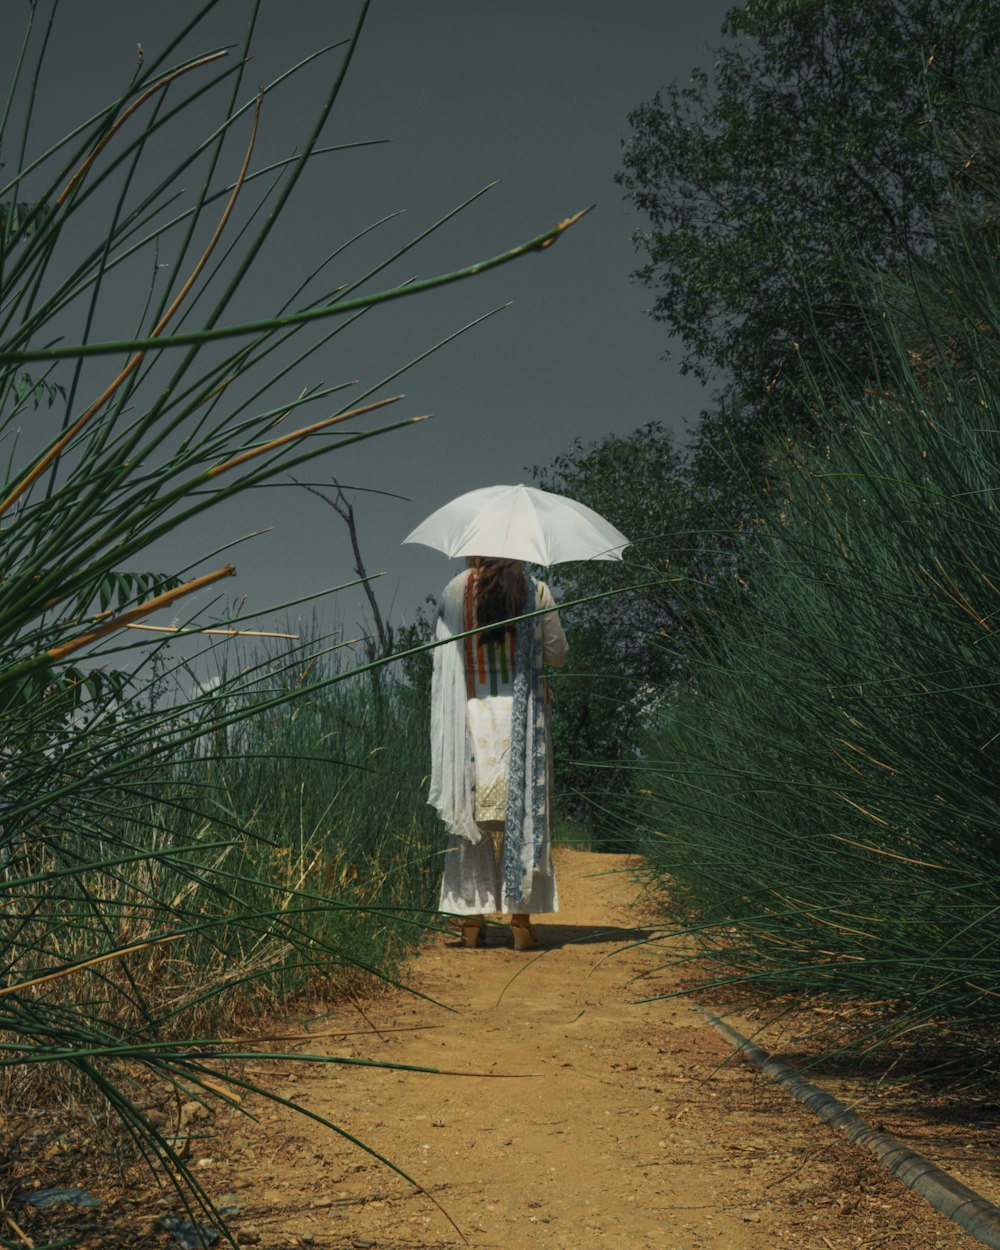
(609, 1136)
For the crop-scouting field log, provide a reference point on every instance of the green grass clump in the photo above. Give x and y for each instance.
(290, 852)
(820, 801)
(331, 794)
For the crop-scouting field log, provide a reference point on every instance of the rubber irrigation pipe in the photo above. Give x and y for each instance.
(958, 1202)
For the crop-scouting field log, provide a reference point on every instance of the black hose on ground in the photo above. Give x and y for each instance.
(979, 1217)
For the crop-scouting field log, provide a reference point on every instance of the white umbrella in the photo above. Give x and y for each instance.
(520, 523)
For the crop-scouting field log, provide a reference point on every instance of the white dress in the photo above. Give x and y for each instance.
(471, 882)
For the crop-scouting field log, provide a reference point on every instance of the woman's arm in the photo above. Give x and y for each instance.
(554, 646)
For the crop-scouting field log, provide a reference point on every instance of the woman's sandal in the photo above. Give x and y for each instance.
(524, 936)
(472, 933)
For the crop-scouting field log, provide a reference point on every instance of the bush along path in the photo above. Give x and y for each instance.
(596, 1120)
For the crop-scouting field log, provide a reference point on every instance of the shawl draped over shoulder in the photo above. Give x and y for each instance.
(452, 766)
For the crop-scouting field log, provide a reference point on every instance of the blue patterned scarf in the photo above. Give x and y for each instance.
(527, 789)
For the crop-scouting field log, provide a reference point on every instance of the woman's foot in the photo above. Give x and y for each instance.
(472, 931)
(523, 933)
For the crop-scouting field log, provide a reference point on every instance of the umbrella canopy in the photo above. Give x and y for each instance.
(520, 523)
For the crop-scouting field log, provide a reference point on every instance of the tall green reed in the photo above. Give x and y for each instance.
(147, 842)
(310, 857)
(819, 802)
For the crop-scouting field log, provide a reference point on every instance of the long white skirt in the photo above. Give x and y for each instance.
(471, 884)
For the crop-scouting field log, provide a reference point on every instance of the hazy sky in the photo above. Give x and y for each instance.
(535, 95)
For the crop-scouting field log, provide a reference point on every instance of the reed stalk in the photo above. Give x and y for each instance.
(171, 862)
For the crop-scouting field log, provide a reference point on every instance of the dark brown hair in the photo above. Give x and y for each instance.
(501, 592)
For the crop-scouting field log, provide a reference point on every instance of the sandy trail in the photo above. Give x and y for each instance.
(609, 1135)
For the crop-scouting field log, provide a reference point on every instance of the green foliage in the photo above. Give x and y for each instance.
(37, 390)
(19, 220)
(293, 845)
(817, 140)
(416, 667)
(613, 677)
(821, 800)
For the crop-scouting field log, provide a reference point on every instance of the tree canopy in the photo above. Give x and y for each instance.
(814, 144)
(613, 677)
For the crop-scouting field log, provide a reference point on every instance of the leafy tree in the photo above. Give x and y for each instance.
(815, 143)
(613, 677)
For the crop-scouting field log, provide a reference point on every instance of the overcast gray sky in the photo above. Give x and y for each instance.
(535, 95)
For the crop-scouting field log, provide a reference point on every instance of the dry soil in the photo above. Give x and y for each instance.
(567, 1114)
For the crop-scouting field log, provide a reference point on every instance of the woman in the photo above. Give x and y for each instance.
(490, 747)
